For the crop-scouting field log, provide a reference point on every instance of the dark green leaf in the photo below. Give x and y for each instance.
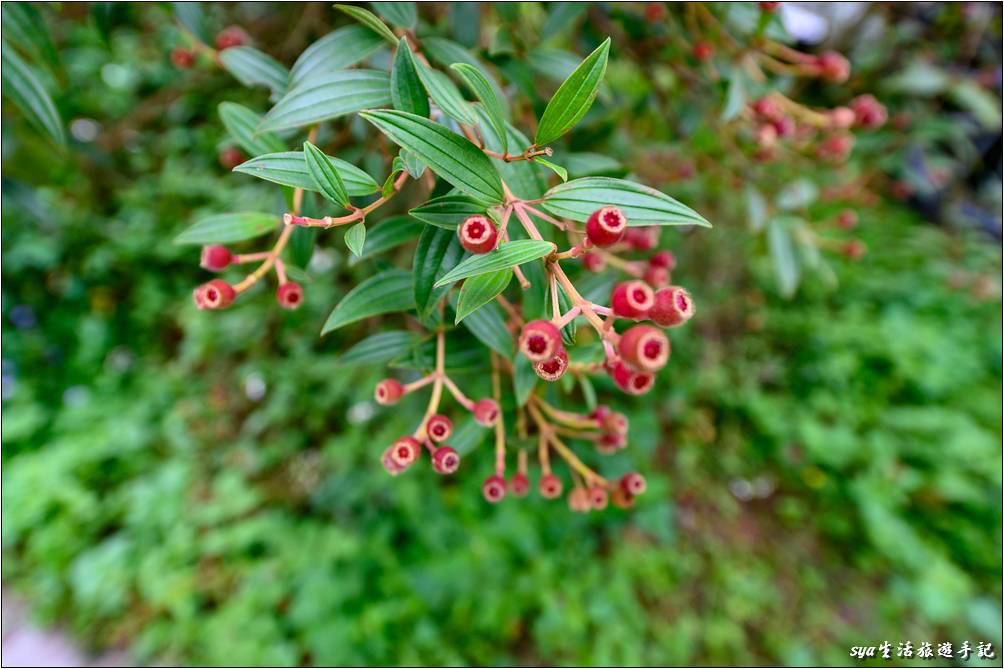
(479, 290)
(386, 292)
(227, 228)
(642, 205)
(23, 87)
(370, 20)
(301, 245)
(450, 156)
(506, 255)
(482, 88)
(24, 25)
(535, 297)
(380, 348)
(438, 251)
(524, 379)
(289, 168)
(445, 94)
(241, 123)
(355, 238)
(488, 325)
(401, 14)
(337, 50)
(252, 67)
(328, 96)
(574, 97)
(324, 175)
(412, 163)
(406, 90)
(448, 211)
(389, 233)
(467, 434)
(445, 53)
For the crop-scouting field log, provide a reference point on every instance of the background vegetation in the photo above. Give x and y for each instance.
(825, 469)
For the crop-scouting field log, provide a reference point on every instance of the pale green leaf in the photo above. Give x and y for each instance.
(387, 292)
(324, 175)
(355, 238)
(23, 87)
(401, 14)
(370, 20)
(328, 96)
(406, 89)
(579, 198)
(506, 255)
(481, 289)
(228, 228)
(289, 168)
(448, 211)
(378, 349)
(252, 67)
(337, 50)
(482, 88)
(241, 123)
(574, 97)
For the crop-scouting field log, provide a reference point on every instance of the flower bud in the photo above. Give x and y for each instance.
(388, 392)
(610, 442)
(405, 451)
(215, 258)
(478, 234)
(869, 112)
(645, 348)
(578, 500)
(486, 412)
(632, 299)
(540, 340)
(289, 295)
(445, 460)
(606, 226)
(854, 250)
(847, 219)
(842, 118)
(493, 488)
(387, 460)
(621, 499)
(216, 294)
(231, 157)
(672, 306)
(439, 428)
(767, 108)
(643, 239)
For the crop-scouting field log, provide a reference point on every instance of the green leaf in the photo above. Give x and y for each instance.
(370, 20)
(328, 96)
(557, 169)
(756, 208)
(482, 88)
(377, 349)
(535, 297)
(446, 52)
(735, 99)
(301, 245)
(642, 205)
(297, 274)
(355, 237)
(383, 293)
(337, 50)
(23, 87)
(782, 251)
(252, 67)
(521, 176)
(324, 175)
(241, 124)
(228, 228)
(445, 94)
(506, 255)
(481, 289)
(289, 168)
(24, 25)
(797, 194)
(561, 16)
(448, 211)
(193, 19)
(438, 251)
(401, 14)
(574, 97)
(412, 163)
(488, 325)
(406, 90)
(389, 233)
(524, 379)
(450, 156)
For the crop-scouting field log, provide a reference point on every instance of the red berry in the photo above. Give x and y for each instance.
(216, 294)
(784, 126)
(621, 499)
(388, 462)
(610, 442)
(388, 392)
(633, 484)
(600, 413)
(405, 451)
(842, 118)
(643, 239)
(445, 460)
(655, 11)
(606, 226)
(593, 262)
(182, 58)
(598, 497)
(231, 157)
(769, 6)
(493, 488)
(847, 219)
(673, 306)
(478, 234)
(869, 112)
(554, 368)
(656, 276)
(486, 412)
(855, 249)
(578, 500)
(519, 485)
(632, 299)
(630, 381)
(617, 422)
(215, 258)
(289, 295)
(549, 486)
(231, 36)
(439, 428)
(703, 51)
(645, 348)
(836, 147)
(540, 340)
(663, 259)
(833, 67)
(767, 108)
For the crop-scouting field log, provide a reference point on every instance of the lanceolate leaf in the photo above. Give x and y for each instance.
(782, 251)
(446, 52)
(438, 251)
(23, 87)
(24, 25)
(241, 123)
(574, 97)
(579, 198)
(252, 67)
(370, 20)
(386, 292)
(379, 348)
(479, 290)
(451, 156)
(482, 88)
(445, 94)
(521, 176)
(337, 50)
(401, 14)
(389, 233)
(328, 96)
(506, 255)
(524, 379)
(489, 326)
(406, 90)
(324, 175)
(412, 163)
(289, 168)
(355, 237)
(228, 228)
(557, 169)
(191, 16)
(448, 211)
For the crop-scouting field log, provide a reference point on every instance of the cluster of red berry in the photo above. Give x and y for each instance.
(184, 58)
(218, 294)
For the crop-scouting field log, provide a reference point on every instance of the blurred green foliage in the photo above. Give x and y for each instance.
(205, 488)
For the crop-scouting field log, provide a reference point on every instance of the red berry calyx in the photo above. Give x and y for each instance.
(494, 488)
(478, 234)
(673, 306)
(632, 299)
(289, 295)
(553, 368)
(445, 460)
(216, 294)
(540, 340)
(645, 348)
(549, 486)
(215, 258)
(439, 428)
(388, 392)
(486, 412)
(405, 451)
(519, 485)
(606, 226)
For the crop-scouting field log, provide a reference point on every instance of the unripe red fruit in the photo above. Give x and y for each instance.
(405, 451)
(630, 381)
(656, 276)
(663, 259)
(643, 239)
(540, 340)
(231, 36)
(606, 226)
(617, 422)
(833, 67)
(519, 485)
(289, 295)
(785, 126)
(231, 157)
(388, 392)
(493, 488)
(478, 234)
(216, 294)
(578, 500)
(645, 348)
(703, 51)
(439, 428)
(593, 262)
(854, 249)
(633, 484)
(610, 442)
(553, 369)
(767, 108)
(847, 219)
(835, 147)
(766, 136)
(388, 462)
(655, 11)
(600, 413)
(549, 486)
(598, 497)
(869, 112)
(621, 499)
(445, 460)
(486, 412)
(182, 58)
(673, 306)
(769, 6)
(632, 299)
(842, 118)
(215, 258)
